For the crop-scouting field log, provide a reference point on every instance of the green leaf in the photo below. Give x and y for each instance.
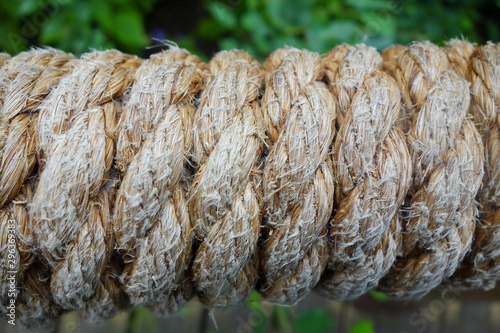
(27, 7)
(253, 22)
(229, 43)
(98, 40)
(255, 303)
(378, 296)
(53, 31)
(364, 326)
(83, 13)
(209, 29)
(313, 321)
(129, 29)
(103, 14)
(368, 4)
(222, 14)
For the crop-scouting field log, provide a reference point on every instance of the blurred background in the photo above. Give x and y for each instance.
(259, 27)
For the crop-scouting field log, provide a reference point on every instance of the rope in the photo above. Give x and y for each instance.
(447, 158)
(126, 182)
(224, 199)
(372, 171)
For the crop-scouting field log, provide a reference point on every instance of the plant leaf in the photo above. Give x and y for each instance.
(313, 321)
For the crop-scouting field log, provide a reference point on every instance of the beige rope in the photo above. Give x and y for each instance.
(372, 168)
(151, 220)
(77, 124)
(26, 80)
(137, 182)
(447, 155)
(3, 58)
(225, 200)
(481, 268)
(76, 160)
(299, 115)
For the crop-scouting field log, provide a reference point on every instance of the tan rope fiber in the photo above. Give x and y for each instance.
(225, 199)
(481, 268)
(390, 57)
(447, 154)
(151, 219)
(15, 241)
(459, 52)
(299, 114)
(372, 169)
(134, 182)
(36, 308)
(27, 78)
(77, 125)
(3, 58)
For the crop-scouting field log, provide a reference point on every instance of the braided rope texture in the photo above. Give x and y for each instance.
(130, 182)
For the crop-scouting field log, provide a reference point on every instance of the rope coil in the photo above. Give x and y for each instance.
(129, 182)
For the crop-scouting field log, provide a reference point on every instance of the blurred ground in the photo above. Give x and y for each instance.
(451, 312)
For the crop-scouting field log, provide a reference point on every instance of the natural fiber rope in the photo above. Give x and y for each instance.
(225, 201)
(447, 156)
(299, 115)
(151, 219)
(137, 182)
(372, 168)
(77, 124)
(25, 81)
(481, 267)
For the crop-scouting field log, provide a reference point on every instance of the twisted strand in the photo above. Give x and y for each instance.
(390, 57)
(182, 80)
(29, 80)
(299, 113)
(225, 202)
(78, 159)
(34, 306)
(459, 52)
(151, 221)
(447, 155)
(481, 268)
(16, 243)
(97, 78)
(372, 168)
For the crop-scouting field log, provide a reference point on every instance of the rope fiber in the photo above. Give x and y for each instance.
(129, 182)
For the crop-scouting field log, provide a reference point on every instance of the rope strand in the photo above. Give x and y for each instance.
(134, 182)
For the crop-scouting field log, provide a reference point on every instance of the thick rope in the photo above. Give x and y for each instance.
(372, 168)
(25, 81)
(481, 268)
(225, 201)
(447, 154)
(151, 220)
(70, 206)
(135, 182)
(299, 114)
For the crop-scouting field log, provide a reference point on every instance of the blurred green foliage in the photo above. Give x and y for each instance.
(261, 26)
(378, 296)
(74, 26)
(364, 326)
(258, 26)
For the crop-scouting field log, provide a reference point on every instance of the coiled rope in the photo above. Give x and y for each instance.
(129, 182)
